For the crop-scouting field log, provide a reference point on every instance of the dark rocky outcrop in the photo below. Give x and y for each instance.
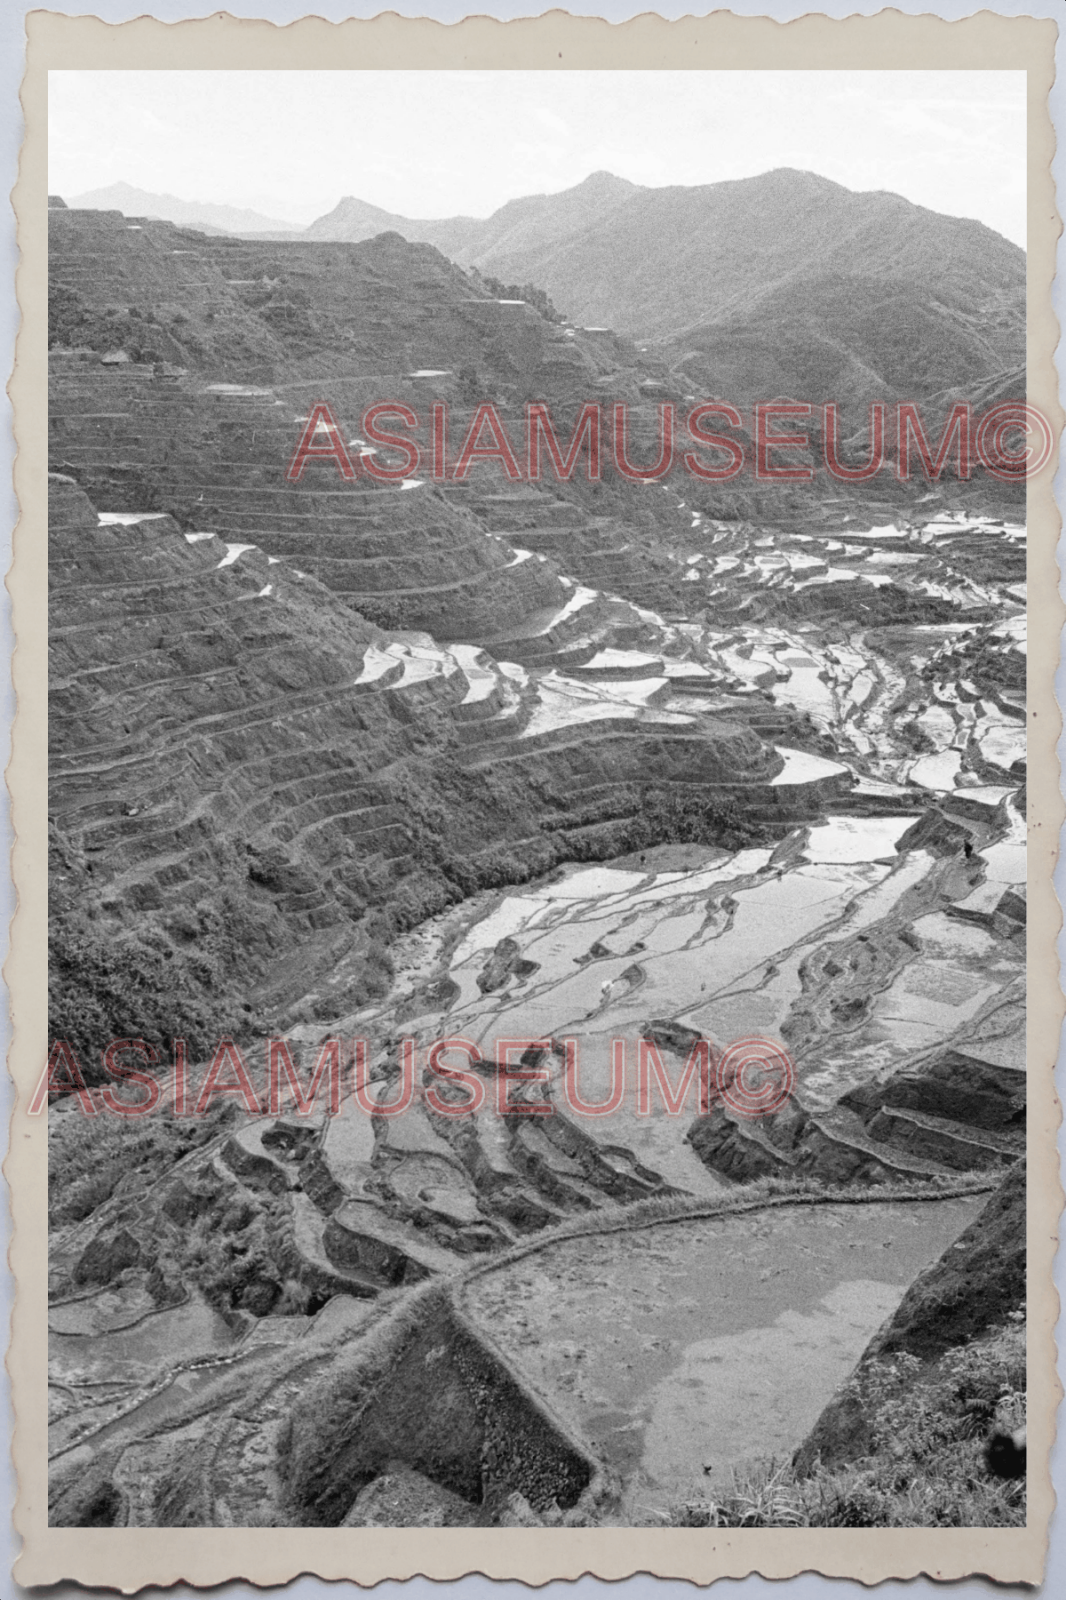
(366, 1254)
(973, 1286)
(254, 1171)
(953, 1087)
(319, 1184)
(504, 963)
(672, 1036)
(183, 1202)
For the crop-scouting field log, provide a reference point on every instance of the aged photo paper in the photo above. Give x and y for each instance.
(534, 980)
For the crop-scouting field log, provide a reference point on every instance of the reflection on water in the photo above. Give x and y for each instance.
(717, 1410)
(719, 943)
(856, 838)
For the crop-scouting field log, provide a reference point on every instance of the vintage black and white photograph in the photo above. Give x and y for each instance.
(537, 762)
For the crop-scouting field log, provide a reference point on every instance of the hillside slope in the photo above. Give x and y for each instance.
(870, 272)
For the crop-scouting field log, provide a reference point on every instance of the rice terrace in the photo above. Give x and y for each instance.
(537, 957)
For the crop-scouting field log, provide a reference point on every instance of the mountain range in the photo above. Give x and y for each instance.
(785, 283)
(202, 214)
(656, 261)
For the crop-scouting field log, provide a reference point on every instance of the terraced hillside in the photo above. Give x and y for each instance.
(253, 787)
(315, 1267)
(341, 768)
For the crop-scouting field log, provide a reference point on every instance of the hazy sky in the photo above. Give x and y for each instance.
(432, 144)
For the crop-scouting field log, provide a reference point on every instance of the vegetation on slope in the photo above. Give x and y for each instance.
(90, 1159)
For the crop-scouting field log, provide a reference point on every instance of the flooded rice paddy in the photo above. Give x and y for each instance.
(684, 1351)
(721, 943)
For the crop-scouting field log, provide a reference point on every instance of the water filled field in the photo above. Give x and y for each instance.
(685, 1350)
(721, 943)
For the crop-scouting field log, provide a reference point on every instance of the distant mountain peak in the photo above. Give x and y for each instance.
(134, 202)
(685, 261)
(602, 178)
(794, 180)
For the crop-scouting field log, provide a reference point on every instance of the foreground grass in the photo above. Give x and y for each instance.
(926, 1468)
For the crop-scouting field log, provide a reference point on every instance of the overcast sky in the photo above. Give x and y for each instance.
(433, 144)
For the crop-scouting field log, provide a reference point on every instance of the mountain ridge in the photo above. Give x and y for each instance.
(204, 214)
(785, 267)
(757, 286)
